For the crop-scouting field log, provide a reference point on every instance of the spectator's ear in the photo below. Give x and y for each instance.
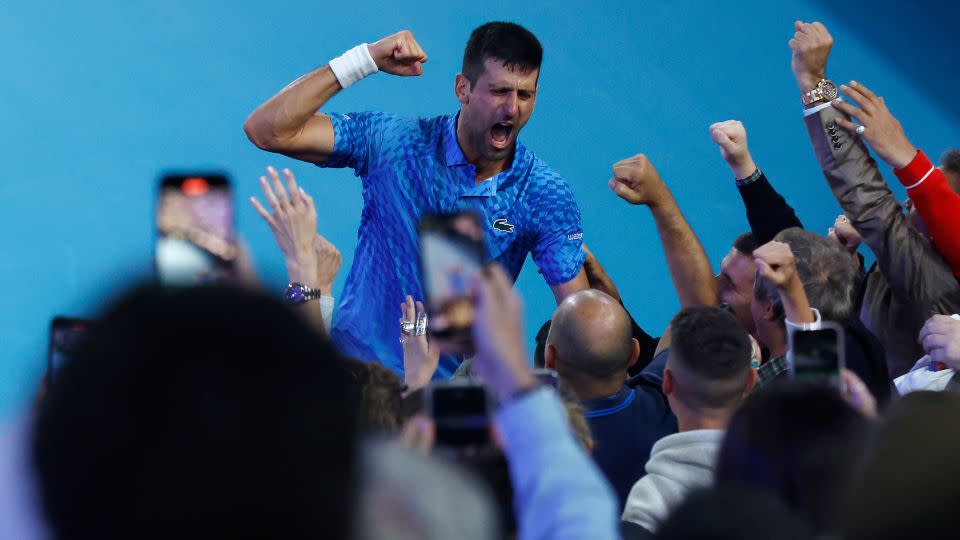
(667, 385)
(634, 352)
(550, 357)
(767, 311)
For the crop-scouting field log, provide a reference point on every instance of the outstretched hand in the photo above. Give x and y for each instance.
(399, 54)
(880, 129)
(420, 356)
(293, 220)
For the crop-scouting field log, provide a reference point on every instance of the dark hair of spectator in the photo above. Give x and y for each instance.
(905, 486)
(712, 344)
(798, 442)
(210, 412)
(950, 160)
(381, 398)
(513, 45)
(725, 513)
(746, 244)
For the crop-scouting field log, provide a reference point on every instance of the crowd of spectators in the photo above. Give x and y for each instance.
(222, 412)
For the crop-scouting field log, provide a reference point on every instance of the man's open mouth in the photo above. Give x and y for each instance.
(500, 134)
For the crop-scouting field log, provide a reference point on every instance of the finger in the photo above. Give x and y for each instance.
(866, 92)
(308, 200)
(268, 193)
(278, 189)
(409, 312)
(934, 341)
(847, 125)
(263, 212)
(296, 197)
(797, 25)
(858, 97)
(764, 268)
(420, 308)
(848, 109)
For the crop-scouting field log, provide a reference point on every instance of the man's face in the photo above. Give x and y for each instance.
(495, 109)
(735, 285)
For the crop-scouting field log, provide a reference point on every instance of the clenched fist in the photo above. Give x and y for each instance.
(731, 137)
(636, 181)
(399, 54)
(776, 263)
(811, 46)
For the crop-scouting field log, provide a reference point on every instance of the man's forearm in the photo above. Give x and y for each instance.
(686, 259)
(796, 307)
(284, 115)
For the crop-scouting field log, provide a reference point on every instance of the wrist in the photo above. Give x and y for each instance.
(353, 65)
(901, 157)
(742, 169)
(522, 383)
(807, 80)
(796, 308)
(304, 271)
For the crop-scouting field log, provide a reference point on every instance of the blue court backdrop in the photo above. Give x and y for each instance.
(99, 97)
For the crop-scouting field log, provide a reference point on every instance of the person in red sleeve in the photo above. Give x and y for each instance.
(931, 196)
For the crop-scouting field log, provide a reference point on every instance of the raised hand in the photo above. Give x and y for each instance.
(328, 263)
(501, 358)
(420, 357)
(844, 233)
(731, 137)
(811, 44)
(880, 128)
(636, 181)
(399, 54)
(293, 221)
(940, 338)
(776, 263)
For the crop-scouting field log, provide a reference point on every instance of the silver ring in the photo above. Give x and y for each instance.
(421, 328)
(861, 129)
(407, 327)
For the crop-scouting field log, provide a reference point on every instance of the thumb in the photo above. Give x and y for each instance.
(764, 268)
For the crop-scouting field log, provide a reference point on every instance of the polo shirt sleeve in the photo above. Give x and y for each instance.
(357, 139)
(559, 248)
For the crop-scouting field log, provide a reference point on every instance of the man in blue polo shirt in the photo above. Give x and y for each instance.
(415, 166)
(591, 346)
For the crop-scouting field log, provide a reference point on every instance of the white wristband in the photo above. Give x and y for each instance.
(353, 65)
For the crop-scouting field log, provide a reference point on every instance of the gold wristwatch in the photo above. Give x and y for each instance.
(824, 91)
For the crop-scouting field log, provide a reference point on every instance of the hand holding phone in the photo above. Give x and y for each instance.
(461, 412)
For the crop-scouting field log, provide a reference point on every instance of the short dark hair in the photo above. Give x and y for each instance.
(723, 512)
(746, 244)
(797, 442)
(381, 398)
(830, 276)
(950, 160)
(508, 42)
(198, 412)
(712, 344)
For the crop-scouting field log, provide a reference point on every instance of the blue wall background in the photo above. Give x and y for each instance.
(98, 97)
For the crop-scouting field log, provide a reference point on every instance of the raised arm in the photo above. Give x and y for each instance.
(767, 211)
(937, 204)
(908, 261)
(288, 122)
(636, 181)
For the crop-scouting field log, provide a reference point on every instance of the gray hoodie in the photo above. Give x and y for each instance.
(679, 464)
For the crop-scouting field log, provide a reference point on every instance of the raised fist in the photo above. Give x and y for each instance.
(776, 263)
(731, 137)
(399, 54)
(811, 46)
(636, 181)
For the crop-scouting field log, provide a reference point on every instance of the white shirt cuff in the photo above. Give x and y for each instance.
(815, 325)
(326, 311)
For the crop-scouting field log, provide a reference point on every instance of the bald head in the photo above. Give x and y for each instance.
(592, 336)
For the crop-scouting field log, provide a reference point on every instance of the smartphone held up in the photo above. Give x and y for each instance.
(196, 240)
(819, 355)
(452, 255)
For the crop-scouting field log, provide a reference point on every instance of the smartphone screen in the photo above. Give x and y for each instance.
(65, 336)
(452, 254)
(460, 412)
(196, 236)
(818, 355)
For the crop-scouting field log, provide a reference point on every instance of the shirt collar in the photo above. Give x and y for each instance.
(609, 405)
(453, 156)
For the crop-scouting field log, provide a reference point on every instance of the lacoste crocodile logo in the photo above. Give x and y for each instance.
(502, 225)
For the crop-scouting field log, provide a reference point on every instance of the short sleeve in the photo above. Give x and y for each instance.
(559, 248)
(357, 138)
